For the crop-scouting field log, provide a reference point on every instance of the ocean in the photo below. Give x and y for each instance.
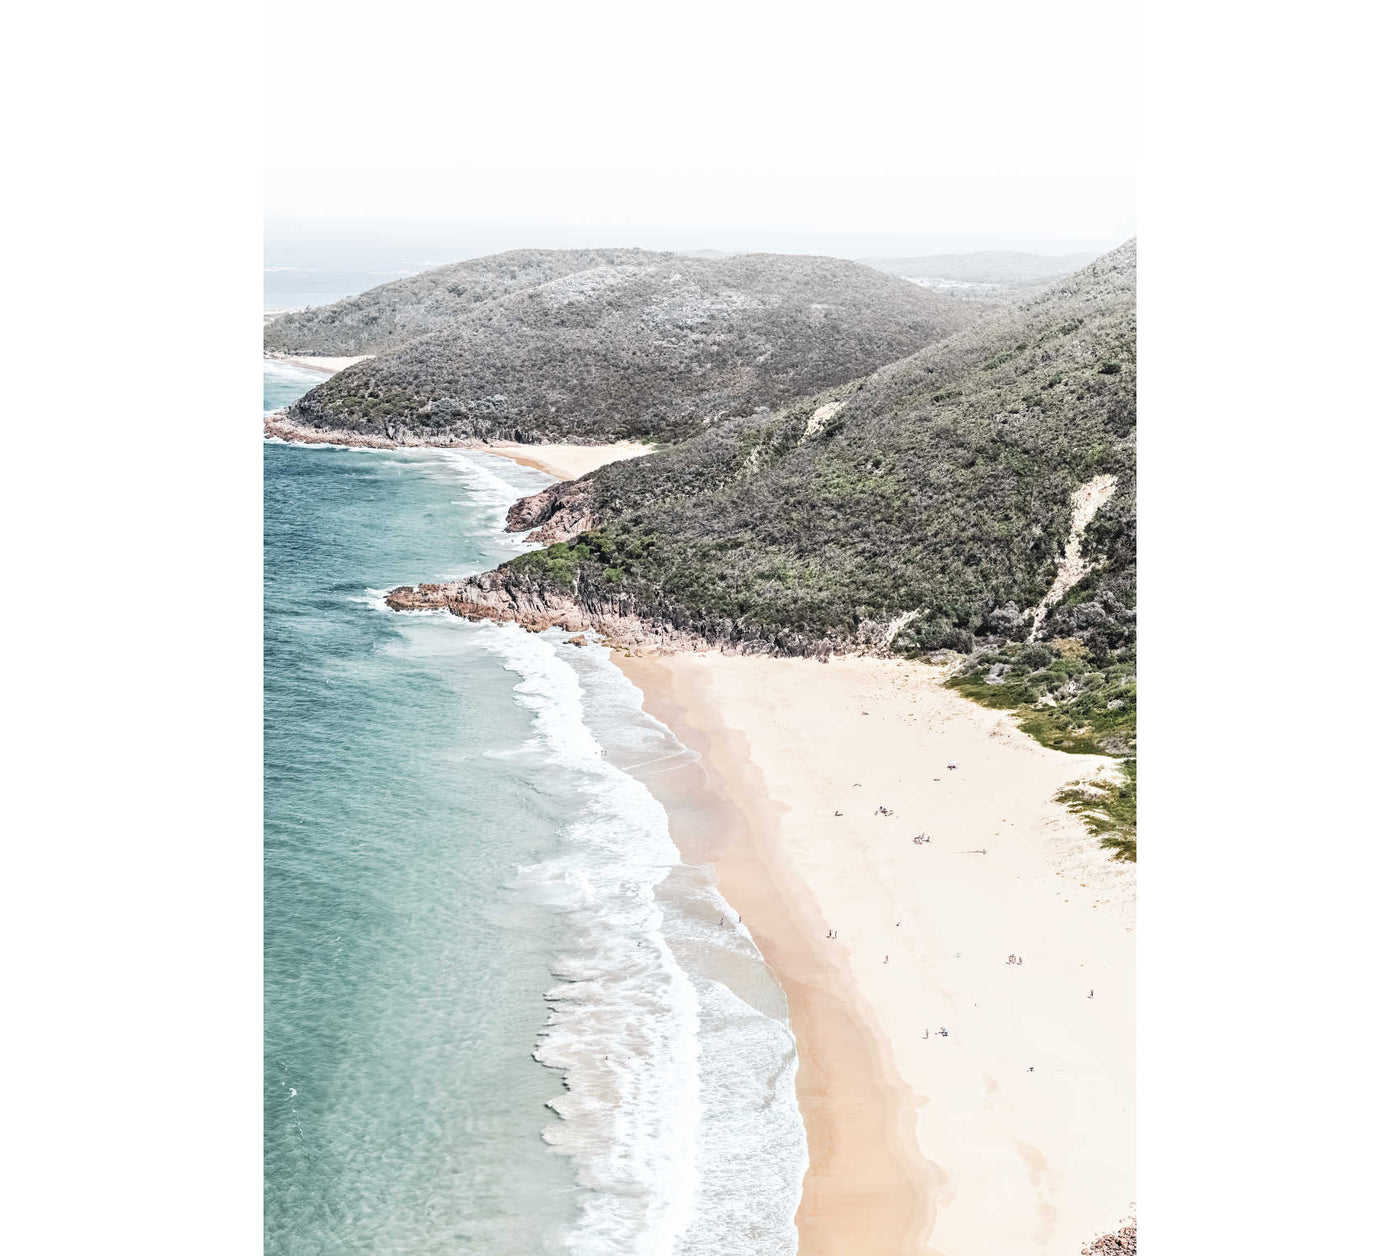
(502, 1015)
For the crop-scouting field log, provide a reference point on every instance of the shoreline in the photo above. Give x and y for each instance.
(564, 462)
(866, 1187)
(1013, 1133)
(919, 1140)
(321, 365)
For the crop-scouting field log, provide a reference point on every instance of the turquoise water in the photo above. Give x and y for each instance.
(283, 383)
(501, 1015)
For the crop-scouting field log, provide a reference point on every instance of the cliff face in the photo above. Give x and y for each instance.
(506, 596)
(493, 595)
(561, 512)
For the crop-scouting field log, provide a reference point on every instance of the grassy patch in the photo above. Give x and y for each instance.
(1108, 809)
(561, 563)
(1094, 711)
(556, 564)
(1063, 698)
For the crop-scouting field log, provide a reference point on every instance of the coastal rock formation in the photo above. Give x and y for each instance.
(510, 595)
(492, 595)
(279, 427)
(561, 512)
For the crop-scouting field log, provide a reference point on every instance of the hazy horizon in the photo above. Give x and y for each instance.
(478, 238)
(891, 132)
(309, 262)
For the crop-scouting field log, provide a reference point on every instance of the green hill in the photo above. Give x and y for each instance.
(926, 507)
(395, 313)
(599, 345)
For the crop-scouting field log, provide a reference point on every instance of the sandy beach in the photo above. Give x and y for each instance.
(568, 462)
(327, 366)
(1015, 1132)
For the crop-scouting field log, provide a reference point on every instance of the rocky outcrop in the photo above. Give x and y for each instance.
(1120, 1243)
(506, 596)
(519, 594)
(279, 427)
(559, 513)
(493, 595)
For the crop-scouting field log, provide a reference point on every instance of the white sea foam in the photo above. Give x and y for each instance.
(496, 485)
(681, 1116)
(279, 369)
(488, 483)
(623, 1022)
(373, 598)
(752, 1153)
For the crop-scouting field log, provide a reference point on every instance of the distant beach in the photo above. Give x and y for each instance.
(327, 366)
(568, 462)
(565, 462)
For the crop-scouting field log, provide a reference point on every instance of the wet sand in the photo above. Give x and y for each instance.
(867, 1185)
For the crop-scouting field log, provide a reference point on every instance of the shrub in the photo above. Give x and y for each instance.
(1036, 656)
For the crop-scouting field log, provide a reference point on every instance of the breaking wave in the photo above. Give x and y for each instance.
(680, 1115)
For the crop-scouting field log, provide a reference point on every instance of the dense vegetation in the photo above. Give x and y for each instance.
(938, 486)
(435, 300)
(599, 345)
(923, 508)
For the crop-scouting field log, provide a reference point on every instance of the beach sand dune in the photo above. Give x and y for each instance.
(1014, 1133)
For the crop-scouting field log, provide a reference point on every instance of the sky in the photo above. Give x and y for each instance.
(720, 125)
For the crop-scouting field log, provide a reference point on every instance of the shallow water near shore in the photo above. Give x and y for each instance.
(284, 382)
(501, 1015)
